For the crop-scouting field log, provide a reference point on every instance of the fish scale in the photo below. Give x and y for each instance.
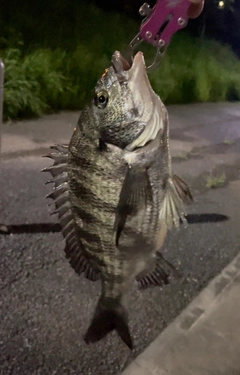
(90, 194)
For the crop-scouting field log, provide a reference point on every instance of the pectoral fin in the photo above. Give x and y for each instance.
(135, 193)
(172, 207)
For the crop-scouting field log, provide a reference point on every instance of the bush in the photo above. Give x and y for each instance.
(57, 66)
(33, 83)
(196, 70)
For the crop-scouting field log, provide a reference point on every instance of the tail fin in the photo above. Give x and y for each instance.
(108, 317)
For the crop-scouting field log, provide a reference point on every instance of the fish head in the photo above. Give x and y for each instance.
(127, 112)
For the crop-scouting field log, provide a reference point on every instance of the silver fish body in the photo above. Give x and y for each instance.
(115, 194)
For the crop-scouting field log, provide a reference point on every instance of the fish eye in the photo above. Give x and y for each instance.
(101, 99)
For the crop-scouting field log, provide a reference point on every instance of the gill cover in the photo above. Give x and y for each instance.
(151, 110)
(127, 112)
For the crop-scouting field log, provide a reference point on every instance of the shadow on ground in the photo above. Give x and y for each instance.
(54, 228)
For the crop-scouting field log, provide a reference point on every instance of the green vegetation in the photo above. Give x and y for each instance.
(228, 142)
(214, 182)
(183, 156)
(197, 70)
(52, 62)
(45, 80)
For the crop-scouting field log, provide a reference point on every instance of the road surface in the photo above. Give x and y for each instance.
(46, 307)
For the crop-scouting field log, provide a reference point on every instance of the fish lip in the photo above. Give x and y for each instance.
(123, 69)
(119, 63)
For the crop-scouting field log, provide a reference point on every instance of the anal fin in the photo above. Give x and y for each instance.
(162, 274)
(182, 189)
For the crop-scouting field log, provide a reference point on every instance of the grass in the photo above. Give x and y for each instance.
(45, 80)
(33, 83)
(214, 182)
(183, 156)
(52, 65)
(228, 142)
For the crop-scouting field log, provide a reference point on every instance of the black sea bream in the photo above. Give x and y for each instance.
(115, 194)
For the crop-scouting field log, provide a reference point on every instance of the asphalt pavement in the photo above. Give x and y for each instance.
(46, 307)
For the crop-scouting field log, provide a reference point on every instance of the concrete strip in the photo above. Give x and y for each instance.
(209, 325)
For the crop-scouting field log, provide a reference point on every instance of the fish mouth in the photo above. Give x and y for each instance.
(119, 63)
(125, 70)
(148, 105)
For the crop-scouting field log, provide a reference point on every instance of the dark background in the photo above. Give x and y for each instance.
(220, 23)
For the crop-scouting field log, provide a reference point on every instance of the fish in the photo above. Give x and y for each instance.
(115, 194)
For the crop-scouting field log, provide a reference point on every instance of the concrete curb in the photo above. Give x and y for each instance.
(146, 362)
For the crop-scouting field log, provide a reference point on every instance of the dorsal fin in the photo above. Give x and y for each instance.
(60, 197)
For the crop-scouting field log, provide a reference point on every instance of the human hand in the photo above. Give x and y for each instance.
(195, 8)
